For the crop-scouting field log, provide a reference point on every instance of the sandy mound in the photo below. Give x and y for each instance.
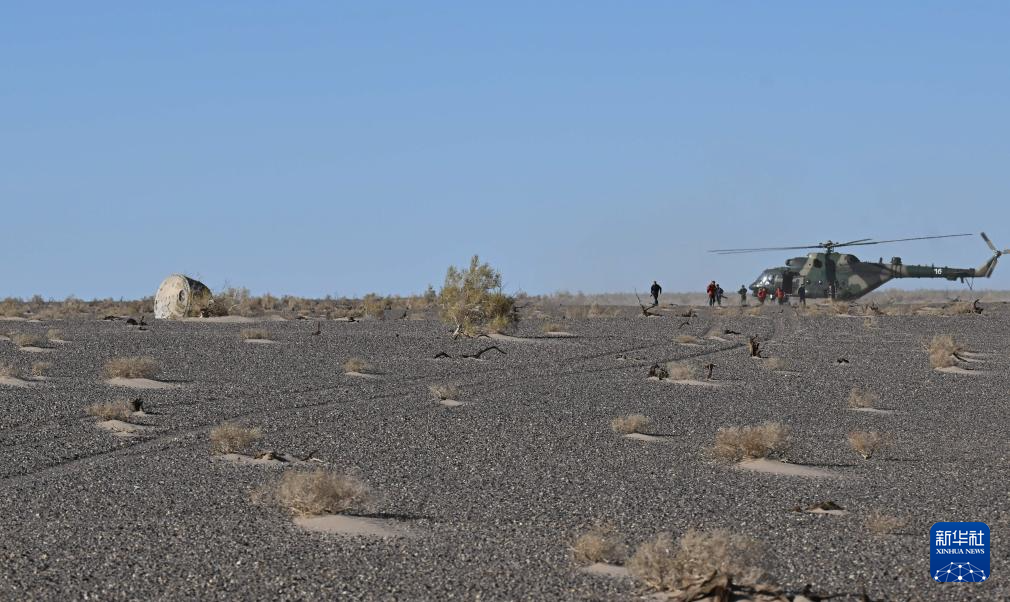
(260, 341)
(31, 349)
(647, 438)
(10, 381)
(689, 381)
(450, 403)
(958, 370)
(139, 383)
(361, 375)
(13, 319)
(264, 459)
(507, 337)
(606, 570)
(342, 524)
(782, 468)
(122, 429)
(223, 320)
(874, 411)
(561, 334)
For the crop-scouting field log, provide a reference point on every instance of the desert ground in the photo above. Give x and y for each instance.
(484, 499)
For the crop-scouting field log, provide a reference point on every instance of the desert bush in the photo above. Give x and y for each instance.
(678, 371)
(375, 306)
(576, 312)
(775, 363)
(883, 524)
(862, 398)
(9, 371)
(254, 333)
(697, 558)
(24, 339)
(444, 392)
(41, 368)
(737, 443)
(131, 367)
(356, 364)
(602, 543)
(686, 339)
(231, 438)
(119, 409)
(54, 334)
(472, 299)
(320, 492)
(941, 351)
(866, 443)
(632, 423)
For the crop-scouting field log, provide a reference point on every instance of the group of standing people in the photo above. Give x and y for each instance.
(715, 293)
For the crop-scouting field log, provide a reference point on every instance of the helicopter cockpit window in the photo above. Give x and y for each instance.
(818, 263)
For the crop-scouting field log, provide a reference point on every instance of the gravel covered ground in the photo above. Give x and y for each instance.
(493, 492)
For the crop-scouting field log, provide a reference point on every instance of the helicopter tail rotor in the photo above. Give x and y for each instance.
(987, 268)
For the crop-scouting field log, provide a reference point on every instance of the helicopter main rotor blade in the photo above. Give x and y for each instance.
(758, 250)
(852, 242)
(989, 242)
(880, 242)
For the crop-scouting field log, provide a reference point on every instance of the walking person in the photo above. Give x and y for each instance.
(780, 295)
(711, 293)
(802, 292)
(743, 294)
(762, 295)
(718, 294)
(655, 292)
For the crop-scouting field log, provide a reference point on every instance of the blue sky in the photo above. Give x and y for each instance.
(318, 148)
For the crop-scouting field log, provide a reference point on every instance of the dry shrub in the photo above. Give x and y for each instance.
(120, 409)
(775, 363)
(866, 443)
(576, 312)
(737, 443)
(678, 371)
(687, 339)
(356, 364)
(9, 371)
(862, 398)
(231, 438)
(553, 327)
(24, 339)
(710, 558)
(941, 351)
(131, 367)
(254, 333)
(602, 543)
(41, 368)
(54, 335)
(959, 308)
(633, 423)
(444, 392)
(375, 306)
(883, 524)
(472, 300)
(840, 308)
(320, 492)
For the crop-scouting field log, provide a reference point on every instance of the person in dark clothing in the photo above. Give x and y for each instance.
(743, 294)
(718, 294)
(655, 291)
(802, 292)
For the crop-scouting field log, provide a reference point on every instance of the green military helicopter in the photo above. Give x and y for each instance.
(830, 275)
